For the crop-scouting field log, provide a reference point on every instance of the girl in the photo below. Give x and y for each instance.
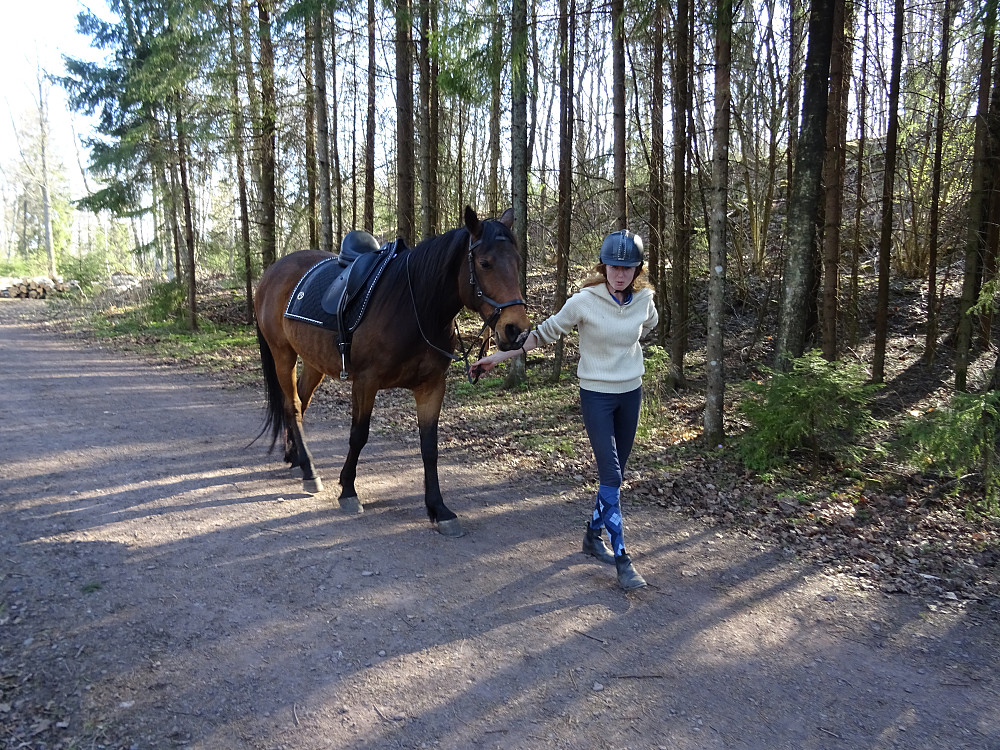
(612, 311)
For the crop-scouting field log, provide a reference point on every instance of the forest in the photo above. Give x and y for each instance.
(796, 159)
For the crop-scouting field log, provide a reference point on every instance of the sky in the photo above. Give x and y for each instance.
(35, 32)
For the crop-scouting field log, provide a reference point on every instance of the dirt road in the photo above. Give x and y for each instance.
(164, 586)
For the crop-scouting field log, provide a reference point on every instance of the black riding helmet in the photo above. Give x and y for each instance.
(622, 248)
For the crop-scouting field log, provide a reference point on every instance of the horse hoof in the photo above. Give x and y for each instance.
(312, 486)
(452, 527)
(351, 504)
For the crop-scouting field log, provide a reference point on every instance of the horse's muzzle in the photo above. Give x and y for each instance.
(513, 337)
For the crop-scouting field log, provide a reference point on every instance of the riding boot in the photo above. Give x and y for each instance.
(628, 576)
(593, 544)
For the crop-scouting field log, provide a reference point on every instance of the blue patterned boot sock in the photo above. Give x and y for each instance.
(609, 509)
(595, 522)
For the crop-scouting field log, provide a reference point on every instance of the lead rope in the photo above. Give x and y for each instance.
(473, 379)
(461, 344)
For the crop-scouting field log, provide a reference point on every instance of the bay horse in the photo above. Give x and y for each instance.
(404, 340)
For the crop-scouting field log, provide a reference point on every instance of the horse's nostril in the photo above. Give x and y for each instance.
(513, 332)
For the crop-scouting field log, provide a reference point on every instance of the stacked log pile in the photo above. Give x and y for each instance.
(37, 287)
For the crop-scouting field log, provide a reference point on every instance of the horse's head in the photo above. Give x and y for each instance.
(494, 284)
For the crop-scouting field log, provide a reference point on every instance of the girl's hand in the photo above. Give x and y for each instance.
(484, 365)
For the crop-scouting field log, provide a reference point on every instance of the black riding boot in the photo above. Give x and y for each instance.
(593, 544)
(628, 576)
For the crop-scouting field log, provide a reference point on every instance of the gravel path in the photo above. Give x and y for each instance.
(164, 586)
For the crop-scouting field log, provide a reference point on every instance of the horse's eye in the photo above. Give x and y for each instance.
(485, 264)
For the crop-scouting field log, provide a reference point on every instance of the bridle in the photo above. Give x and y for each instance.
(498, 308)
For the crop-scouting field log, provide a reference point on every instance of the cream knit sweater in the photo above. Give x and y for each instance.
(610, 354)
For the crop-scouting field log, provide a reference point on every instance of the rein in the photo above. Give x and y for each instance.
(498, 308)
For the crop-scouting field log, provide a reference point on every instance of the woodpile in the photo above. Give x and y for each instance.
(37, 287)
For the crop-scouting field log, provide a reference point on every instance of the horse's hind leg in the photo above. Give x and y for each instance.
(362, 403)
(309, 381)
(306, 384)
(429, 399)
(296, 451)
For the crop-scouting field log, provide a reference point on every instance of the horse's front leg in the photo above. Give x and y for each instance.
(429, 399)
(362, 403)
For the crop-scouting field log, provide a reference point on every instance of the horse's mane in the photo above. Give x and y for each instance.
(430, 258)
(433, 258)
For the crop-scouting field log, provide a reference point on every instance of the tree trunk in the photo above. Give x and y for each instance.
(460, 161)
(174, 190)
(853, 304)
(369, 199)
(182, 162)
(424, 122)
(679, 282)
(496, 75)
(43, 132)
(405, 175)
(176, 226)
(322, 136)
(548, 106)
(717, 230)
(657, 204)
(976, 242)
(23, 241)
(338, 183)
(798, 299)
(354, 119)
(268, 136)
(519, 156)
(241, 179)
(888, 192)
(796, 17)
(833, 178)
(930, 345)
(168, 202)
(310, 113)
(536, 65)
(991, 196)
(253, 97)
(434, 133)
(567, 24)
(618, 107)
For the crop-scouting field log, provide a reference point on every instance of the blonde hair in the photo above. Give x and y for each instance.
(599, 275)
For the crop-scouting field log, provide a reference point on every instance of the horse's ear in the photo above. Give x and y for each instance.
(508, 218)
(472, 222)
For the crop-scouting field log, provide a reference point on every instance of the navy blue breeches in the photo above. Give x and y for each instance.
(611, 420)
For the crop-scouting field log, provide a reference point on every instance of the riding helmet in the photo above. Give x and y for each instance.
(622, 248)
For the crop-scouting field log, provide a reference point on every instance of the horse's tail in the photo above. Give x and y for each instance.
(274, 409)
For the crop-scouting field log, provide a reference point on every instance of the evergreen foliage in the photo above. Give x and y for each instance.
(817, 407)
(959, 441)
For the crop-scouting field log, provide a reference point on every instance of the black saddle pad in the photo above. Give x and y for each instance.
(305, 302)
(336, 298)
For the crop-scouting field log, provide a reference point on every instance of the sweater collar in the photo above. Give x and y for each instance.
(614, 299)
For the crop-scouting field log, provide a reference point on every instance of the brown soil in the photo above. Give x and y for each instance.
(165, 586)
